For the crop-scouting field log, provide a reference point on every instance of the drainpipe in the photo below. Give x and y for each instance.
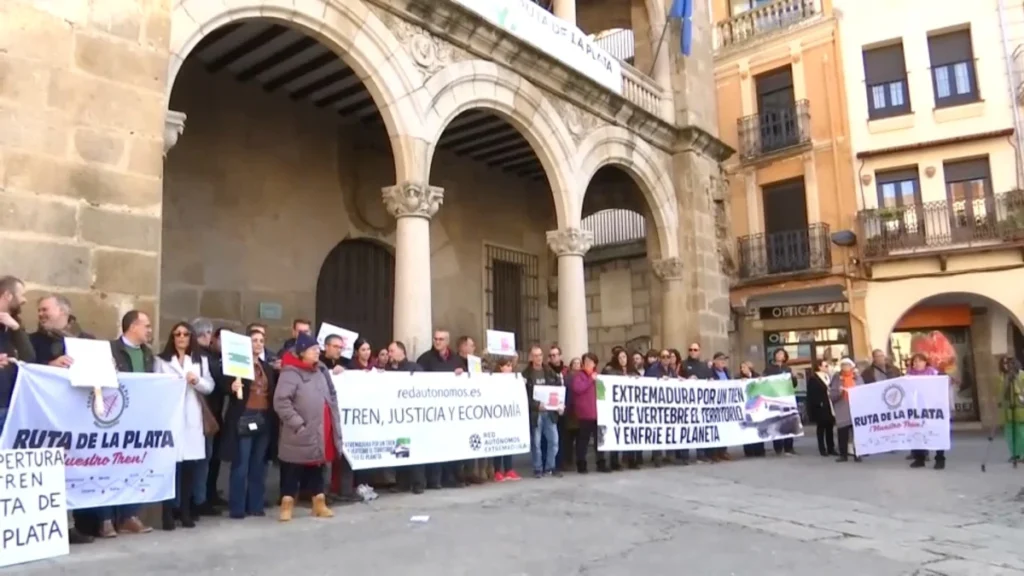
(1011, 78)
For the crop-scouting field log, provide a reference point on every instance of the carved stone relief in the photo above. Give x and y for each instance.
(718, 193)
(429, 52)
(579, 122)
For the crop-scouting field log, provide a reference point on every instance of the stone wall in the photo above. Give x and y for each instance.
(81, 140)
(620, 293)
(259, 189)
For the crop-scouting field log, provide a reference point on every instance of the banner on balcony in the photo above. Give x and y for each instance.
(671, 414)
(553, 36)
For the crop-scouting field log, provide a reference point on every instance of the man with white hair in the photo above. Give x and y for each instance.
(55, 323)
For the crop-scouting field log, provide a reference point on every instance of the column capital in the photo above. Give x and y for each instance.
(412, 199)
(668, 268)
(174, 125)
(570, 241)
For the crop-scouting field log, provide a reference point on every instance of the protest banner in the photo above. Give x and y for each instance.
(236, 355)
(400, 418)
(907, 413)
(33, 517)
(660, 414)
(124, 455)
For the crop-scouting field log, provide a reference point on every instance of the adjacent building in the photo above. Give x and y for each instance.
(934, 116)
(782, 106)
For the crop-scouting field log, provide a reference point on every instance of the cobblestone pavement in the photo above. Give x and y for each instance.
(794, 516)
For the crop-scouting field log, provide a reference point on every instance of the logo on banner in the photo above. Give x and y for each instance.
(115, 402)
(475, 442)
(893, 396)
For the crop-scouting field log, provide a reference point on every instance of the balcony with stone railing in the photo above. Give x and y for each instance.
(761, 22)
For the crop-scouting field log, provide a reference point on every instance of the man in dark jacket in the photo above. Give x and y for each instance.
(131, 353)
(14, 342)
(719, 371)
(407, 478)
(331, 354)
(56, 323)
(696, 368)
(299, 326)
(880, 369)
(544, 423)
(440, 358)
(663, 368)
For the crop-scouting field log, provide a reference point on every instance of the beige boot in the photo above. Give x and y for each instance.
(287, 506)
(320, 509)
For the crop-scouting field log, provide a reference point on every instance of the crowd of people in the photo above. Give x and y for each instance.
(287, 413)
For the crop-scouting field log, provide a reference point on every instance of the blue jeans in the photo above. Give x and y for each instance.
(118, 514)
(3, 418)
(200, 471)
(248, 480)
(544, 430)
(502, 464)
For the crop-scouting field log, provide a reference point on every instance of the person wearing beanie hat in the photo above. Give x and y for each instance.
(838, 388)
(308, 408)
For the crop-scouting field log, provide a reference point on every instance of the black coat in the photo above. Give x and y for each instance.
(16, 344)
(124, 362)
(432, 361)
(235, 409)
(403, 366)
(696, 368)
(819, 408)
(775, 370)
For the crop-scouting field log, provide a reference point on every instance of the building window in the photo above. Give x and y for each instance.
(740, 6)
(898, 188)
(513, 303)
(970, 197)
(954, 76)
(885, 74)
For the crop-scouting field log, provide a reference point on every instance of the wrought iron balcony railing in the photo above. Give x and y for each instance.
(792, 252)
(941, 226)
(774, 130)
(764, 20)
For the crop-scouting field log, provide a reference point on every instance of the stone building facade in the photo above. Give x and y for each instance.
(138, 170)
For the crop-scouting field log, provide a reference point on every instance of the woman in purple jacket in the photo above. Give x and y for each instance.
(919, 367)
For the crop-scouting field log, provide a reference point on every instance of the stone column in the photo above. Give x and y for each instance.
(413, 204)
(566, 10)
(673, 298)
(570, 244)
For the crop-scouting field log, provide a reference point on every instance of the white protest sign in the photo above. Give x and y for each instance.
(501, 343)
(401, 418)
(475, 364)
(33, 513)
(126, 454)
(658, 414)
(93, 363)
(550, 397)
(348, 338)
(236, 355)
(908, 413)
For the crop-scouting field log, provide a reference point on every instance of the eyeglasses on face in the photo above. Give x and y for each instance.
(180, 334)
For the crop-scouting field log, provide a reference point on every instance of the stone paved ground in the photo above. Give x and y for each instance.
(797, 516)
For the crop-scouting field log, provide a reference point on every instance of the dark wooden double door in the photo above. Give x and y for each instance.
(356, 290)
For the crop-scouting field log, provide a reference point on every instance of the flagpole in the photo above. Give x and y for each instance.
(657, 51)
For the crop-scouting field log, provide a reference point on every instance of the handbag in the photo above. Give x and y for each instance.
(210, 424)
(251, 424)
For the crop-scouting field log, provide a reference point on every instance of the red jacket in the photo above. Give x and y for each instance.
(584, 396)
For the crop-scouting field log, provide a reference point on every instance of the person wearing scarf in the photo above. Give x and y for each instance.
(839, 387)
(819, 408)
(307, 407)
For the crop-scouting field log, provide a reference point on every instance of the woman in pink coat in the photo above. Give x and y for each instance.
(584, 401)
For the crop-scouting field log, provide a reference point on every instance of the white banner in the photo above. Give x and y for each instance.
(673, 414)
(126, 455)
(908, 413)
(557, 38)
(401, 419)
(33, 516)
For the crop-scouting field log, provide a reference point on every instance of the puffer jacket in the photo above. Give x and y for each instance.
(302, 393)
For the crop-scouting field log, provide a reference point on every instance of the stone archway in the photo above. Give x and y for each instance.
(476, 84)
(356, 290)
(615, 146)
(353, 32)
